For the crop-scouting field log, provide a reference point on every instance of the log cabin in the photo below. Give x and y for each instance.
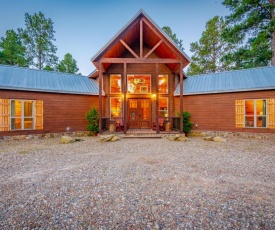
(139, 83)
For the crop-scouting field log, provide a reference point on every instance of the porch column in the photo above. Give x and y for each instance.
(100, 98)
(157, 97)
(181, 98)
(124, 97)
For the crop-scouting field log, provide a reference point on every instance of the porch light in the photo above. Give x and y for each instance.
(154, 96)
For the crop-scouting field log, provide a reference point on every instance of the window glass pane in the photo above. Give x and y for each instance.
(261, 121)
(260, 107)
(249, 121)
(27, 108)
(163, 107)
(249, 107)
(163, 83)
(13, 108)
(115, 83)
(28, 123)
(139, 84)
(115, 105)
(16, 123)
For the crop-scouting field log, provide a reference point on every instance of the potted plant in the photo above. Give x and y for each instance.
(92, 118)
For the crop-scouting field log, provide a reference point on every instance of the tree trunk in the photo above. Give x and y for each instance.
(272, 2)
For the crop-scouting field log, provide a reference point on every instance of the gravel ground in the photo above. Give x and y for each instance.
(137, 184)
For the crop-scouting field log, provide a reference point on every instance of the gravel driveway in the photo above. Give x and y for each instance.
(137, 184)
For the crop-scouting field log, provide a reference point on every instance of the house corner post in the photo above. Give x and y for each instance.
(157, 97)
(100, 98)
(124, 97)
(181, 98)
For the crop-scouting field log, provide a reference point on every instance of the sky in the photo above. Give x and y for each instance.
(83, 27)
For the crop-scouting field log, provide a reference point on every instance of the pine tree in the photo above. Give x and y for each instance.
(12, 51)
(252, 25)
(173, 36)
(68, 64)
(209, 51)
(38, 38)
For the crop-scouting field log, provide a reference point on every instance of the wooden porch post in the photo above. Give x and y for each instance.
(124, 96)
(157, 97)
(100, 98)
(181, 98)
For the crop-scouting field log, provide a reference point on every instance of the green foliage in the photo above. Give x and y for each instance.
(38, 38)
(209, 51)
(68, 65)
(172, 35)
(92, 118)
(12, 51)
(252, 25)
(187, 124)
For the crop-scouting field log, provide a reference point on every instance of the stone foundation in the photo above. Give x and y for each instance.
(46, 135)
(197, 133)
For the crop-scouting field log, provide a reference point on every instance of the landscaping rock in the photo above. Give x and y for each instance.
(177, 137)
(106, 138)
(219, 139)
(208, 138)
(66, 139)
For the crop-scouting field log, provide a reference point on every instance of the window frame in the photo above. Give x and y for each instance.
(149, 89)
(159, 111)
(110, 88)
(255, 116)
(23, 117)
(167, 82)
(121, 107)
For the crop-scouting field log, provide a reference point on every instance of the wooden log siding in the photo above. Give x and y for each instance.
(59, 111)
(216, 112)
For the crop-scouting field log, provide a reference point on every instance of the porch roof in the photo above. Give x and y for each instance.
(25, 79)
(262, 78)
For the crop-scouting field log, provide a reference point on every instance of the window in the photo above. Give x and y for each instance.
(163, 84)
(115, 83)
(21, 114)
(139, 84)
(255, 113)
(163, 107)
(115, 106)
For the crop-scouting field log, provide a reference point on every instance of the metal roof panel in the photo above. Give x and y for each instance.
(18, 78)
(238, 80)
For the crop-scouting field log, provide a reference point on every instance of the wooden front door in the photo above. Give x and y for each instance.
(139, 113)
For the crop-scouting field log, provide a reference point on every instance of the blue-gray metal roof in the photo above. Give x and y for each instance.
(17, 78)
(262, 78)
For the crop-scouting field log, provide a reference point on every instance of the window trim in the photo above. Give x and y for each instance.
(23, 115)
(120, 83)
(167, 83)
(255, 114)
(136, 74)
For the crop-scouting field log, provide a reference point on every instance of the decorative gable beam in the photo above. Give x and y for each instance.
(157, 33)
(140, 60)
(152, 50)
(141, 39)
(129, 48)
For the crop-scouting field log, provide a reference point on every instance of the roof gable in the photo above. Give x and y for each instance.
(144, 30)
(18, 78)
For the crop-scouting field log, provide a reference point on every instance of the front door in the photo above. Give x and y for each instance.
(139, 113)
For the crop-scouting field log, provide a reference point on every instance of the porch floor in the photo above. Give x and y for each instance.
(142, 131)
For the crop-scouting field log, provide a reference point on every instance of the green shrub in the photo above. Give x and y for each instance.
(187, 124)
(92, 118)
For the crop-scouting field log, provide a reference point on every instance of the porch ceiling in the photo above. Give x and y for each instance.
(153, 37)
